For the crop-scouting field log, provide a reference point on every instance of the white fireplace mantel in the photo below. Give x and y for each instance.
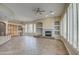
(52, 30)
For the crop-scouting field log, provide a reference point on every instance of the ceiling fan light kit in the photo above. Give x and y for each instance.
(38, 11)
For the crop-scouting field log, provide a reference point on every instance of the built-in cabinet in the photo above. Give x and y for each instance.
(20, 30)
(10, 29)
(14, 30)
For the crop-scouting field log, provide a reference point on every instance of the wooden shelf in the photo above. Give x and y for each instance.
(12, 30)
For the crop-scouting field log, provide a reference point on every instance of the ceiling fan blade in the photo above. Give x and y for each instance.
(42, 11)
(38, 11)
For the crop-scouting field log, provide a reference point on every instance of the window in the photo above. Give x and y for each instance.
(30, 28)
(34, 27)
(78, 25)
(75, 26)
(70, 39)
(26, 28)
(70, 25)
(64, 25)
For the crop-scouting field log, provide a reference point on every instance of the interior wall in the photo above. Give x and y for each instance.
(48, 23)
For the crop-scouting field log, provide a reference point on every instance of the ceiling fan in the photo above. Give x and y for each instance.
(38, 11)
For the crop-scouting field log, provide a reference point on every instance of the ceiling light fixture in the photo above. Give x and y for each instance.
(52, 13)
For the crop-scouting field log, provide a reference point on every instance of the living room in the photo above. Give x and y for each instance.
(39, 28)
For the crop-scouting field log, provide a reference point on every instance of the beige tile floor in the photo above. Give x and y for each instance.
(28, 45)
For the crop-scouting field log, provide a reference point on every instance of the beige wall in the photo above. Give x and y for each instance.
(49, 23)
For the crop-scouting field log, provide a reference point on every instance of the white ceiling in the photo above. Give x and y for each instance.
(24, 11)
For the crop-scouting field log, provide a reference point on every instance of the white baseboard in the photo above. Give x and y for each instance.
(4, 39)
(70, 49)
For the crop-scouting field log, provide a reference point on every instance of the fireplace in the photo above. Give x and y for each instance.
(48, 33)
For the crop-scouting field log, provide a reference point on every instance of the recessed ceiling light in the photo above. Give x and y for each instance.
(52, 13)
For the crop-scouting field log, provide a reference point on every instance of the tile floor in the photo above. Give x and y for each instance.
(28, 45)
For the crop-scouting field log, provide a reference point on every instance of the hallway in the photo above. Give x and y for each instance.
(28, 45)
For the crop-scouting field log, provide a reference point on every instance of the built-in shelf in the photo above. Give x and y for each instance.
(57, 29)
(57, 25)
(39, 28)
(14, 30)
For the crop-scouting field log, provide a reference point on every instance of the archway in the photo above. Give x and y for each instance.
(2, 29)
